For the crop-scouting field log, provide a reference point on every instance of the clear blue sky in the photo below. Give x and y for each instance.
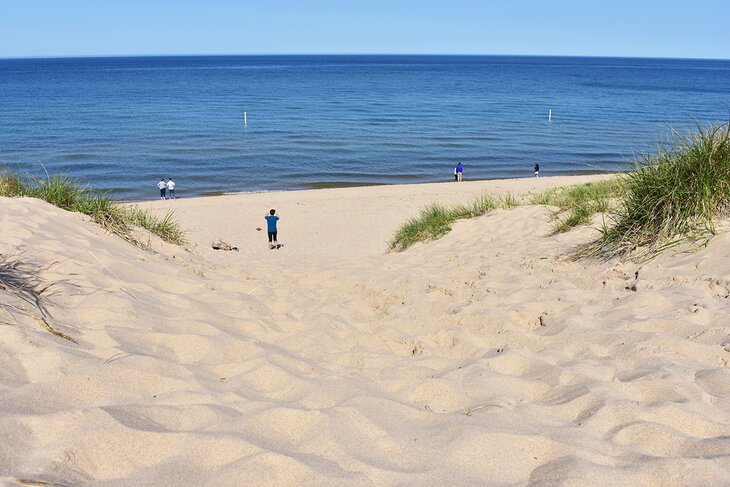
(645, 28)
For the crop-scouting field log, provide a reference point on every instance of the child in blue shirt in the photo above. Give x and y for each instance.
(271, 220)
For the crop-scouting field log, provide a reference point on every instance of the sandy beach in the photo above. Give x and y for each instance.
(487, 357)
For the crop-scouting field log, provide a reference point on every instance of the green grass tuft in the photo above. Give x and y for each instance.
(508, 201)
(59, 191)
(10, 185)
(433, 222)
(166, 227)
(436, 220)
(545, 198)
(673, 195)
(577, 204)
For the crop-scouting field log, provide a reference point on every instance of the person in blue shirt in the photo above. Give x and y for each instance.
(458, 171)
(271, 220)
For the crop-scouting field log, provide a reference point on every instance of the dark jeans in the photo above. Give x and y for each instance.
(272, 236)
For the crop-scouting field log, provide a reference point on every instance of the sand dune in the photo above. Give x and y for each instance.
(483, 358)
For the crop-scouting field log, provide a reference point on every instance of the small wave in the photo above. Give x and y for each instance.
(382, 120)
(456, 145)
(596, 155)
(339, 184)
(207, 151)
(171, 159)
(200, 68)
(299, 140)
(464, 138)
(79, 156)
(400, 145)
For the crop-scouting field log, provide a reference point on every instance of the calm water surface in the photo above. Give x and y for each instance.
(121, 124)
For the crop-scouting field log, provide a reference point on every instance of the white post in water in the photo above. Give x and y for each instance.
(244, 119)
(550, 115)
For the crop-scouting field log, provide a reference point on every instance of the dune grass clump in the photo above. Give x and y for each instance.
(433, 222)
(577, 204)
(479, 206)
(509, 201)
(67, 194)
(10, 185)
(166, 227)
(673, 195)
(436, 220)
(57, 190)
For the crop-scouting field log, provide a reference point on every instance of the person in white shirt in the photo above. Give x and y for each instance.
(163, 187)
(171, 188)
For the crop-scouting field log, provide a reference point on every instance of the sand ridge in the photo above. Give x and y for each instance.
(483, 358)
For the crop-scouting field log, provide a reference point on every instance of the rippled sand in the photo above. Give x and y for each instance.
(483, 358)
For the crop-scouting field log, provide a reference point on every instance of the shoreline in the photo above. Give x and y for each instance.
(347, 185)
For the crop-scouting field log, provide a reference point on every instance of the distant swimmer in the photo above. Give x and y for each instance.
(537, 170)
(163, 187)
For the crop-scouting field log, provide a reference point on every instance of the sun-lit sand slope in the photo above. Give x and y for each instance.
(483, 358)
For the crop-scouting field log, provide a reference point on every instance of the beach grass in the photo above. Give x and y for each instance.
(673, 196)
(69, 195)
(166, 227)
(577, 204)
(10, 185)
(509, 201)
(436, 221)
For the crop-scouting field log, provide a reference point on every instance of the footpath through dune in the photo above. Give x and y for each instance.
(483, 358)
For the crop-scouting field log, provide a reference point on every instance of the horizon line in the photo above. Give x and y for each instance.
(575, 56)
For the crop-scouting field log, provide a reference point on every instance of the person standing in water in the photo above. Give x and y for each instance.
(537, 170)
(459, 171)
(162, 185)
(171, 188)
(271, 220)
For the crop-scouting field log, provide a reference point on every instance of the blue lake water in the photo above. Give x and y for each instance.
(121, 124)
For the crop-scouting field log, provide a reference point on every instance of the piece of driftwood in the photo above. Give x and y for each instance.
(221, 244)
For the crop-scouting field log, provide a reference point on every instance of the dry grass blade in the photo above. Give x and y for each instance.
(20, 280)
(38, 483)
